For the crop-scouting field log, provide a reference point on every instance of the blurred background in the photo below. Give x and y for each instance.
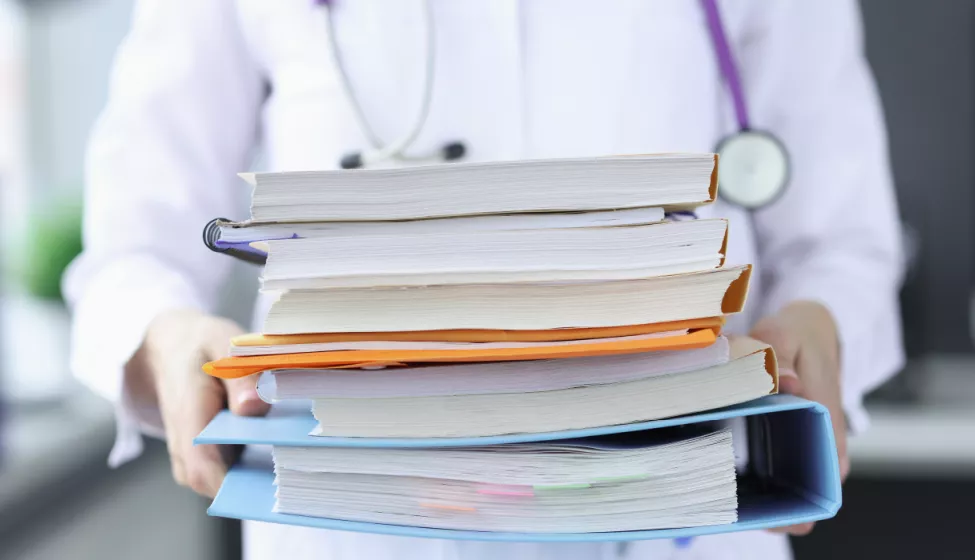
(913, 476)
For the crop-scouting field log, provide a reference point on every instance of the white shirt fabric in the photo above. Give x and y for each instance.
(198, 86)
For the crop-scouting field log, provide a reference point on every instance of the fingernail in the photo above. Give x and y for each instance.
(247, 396)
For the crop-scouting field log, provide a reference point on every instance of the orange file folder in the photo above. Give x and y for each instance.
(229, 368)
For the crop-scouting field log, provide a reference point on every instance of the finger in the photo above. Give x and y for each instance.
(771, 331)
(822, 384)
(243, 398)
(205, 469)
(789, 382)
(203, 465)
(219, 334)
(799, 530)
(175, 461)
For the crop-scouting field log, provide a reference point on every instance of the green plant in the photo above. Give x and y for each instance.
(53, 240)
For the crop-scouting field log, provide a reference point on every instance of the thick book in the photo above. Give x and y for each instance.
(636, 395)
(496, 257)
(484, 378)
(791, 476)
(227, 233)
(669, 181)
(519, 306)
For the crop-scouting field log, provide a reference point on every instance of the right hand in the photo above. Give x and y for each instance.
(168, 366)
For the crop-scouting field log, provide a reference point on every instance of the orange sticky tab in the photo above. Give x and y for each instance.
(241, 366)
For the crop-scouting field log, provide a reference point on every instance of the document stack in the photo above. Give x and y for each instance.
(511, 351)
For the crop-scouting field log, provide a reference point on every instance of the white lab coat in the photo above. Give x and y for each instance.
(197, 85)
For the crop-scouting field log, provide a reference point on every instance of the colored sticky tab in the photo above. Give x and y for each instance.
(615, 479)
(448, 507)
(547, 487)
(505, 490)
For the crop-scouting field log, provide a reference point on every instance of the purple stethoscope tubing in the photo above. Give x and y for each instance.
(726, 62)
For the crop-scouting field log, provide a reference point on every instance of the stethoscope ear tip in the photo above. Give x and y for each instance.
(351, 161)
(454, 151)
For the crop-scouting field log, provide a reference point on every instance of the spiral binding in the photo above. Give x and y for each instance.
(211, 238)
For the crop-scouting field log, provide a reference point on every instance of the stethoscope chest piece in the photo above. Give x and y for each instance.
(753, 169)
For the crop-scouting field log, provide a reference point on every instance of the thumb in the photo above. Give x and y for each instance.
(775, 333)
(242, 396)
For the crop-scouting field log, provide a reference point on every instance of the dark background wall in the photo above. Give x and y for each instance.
(923, 57)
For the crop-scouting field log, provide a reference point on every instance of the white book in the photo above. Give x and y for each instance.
(748, 375)
(671, 181)
(520, 306)
(246, 232)
(670, 478)
(490, 377)
(543, 255)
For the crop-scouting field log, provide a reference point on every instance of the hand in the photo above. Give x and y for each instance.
(167, 370)
(806, 344)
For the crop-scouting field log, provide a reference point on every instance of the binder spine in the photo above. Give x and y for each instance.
(242, 251)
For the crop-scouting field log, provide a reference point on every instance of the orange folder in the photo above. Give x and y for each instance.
(229, 368)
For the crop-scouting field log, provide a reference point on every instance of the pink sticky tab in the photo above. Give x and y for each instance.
(505, 490)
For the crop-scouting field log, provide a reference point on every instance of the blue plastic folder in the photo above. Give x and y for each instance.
(792, 477)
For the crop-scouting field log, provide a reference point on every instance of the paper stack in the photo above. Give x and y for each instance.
(460, 328)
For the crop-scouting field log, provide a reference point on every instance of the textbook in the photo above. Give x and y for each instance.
(486, 378)
(565, 486)
(228, 232)
(669, 181)
(500, 257)
(518, 306)
(469, 411)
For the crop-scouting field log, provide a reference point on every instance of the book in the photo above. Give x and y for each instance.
(773, 489)
(487, 377)
(497, 257)
(750, 373)
(520, 306)
(669, 181)
(663, 479)
(230, 232)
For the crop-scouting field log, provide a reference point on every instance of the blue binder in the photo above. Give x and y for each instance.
(793, 475)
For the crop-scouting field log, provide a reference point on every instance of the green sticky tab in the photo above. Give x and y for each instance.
(630, 478)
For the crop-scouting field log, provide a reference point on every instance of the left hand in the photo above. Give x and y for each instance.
(806, 344)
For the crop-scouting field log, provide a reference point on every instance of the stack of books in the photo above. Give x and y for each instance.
(513, 351)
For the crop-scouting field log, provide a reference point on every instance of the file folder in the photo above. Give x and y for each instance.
(792, 477)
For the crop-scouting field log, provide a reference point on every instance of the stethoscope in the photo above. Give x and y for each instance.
(754, 167)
